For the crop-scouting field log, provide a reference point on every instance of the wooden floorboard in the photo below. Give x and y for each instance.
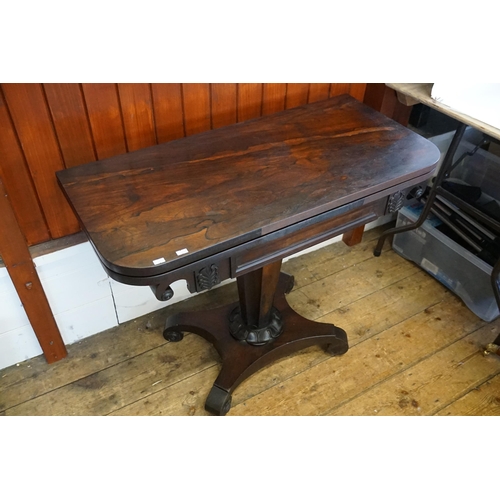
(415, 349)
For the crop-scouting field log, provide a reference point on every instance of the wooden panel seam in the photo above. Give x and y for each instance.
(153, 112)
(183, 108)
(52, 126)
(87, 116)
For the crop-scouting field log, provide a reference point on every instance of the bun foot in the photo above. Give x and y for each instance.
(218, 401)
(173, 335)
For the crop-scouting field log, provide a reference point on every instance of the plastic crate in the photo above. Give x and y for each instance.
(455, 267)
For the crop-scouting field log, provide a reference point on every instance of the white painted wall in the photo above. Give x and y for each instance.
(83, 299)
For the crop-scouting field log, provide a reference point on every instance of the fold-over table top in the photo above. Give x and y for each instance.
(152, 210)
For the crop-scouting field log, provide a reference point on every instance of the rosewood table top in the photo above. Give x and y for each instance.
(153, 210)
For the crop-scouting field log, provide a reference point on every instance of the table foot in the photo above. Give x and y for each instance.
(239, 358)
(218, 401)
(173, 335)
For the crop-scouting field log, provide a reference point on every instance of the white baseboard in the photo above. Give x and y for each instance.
(134, 301)
(83, 299)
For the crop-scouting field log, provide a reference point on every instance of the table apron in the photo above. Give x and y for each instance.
(283, 243)
(210, 271)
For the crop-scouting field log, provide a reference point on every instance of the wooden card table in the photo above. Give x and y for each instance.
(232, 203)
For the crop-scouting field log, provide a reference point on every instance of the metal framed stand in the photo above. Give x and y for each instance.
(445, 168)
(438, 190)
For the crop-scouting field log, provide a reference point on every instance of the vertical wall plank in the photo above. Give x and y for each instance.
(319, 92)
(137, 112)
(105, 118)
(374, 95)
(402, 113)
(196, 97)
(296, 94)
(389, 102)
(383, 99)
(15, 173)
(339, 89)
(223, 104)
(357, 90)
(249, 101)
(31, 117)
(273, 98)
(70, 121)
(167, 106)
(392, 108)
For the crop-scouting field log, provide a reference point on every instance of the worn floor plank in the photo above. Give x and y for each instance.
(124, 383)
(483, 400)
(429, 385)
(415, 349)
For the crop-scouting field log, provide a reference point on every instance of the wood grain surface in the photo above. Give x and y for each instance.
(224, 98)
(167, 104)
(106, 122)
(137, 110)
(296, 94)
(249, 101)
(196, 99)
(227, 186)
(274, 95)
(67, 108)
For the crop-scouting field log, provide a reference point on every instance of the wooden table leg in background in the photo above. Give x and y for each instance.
(16, 256)
(353, 237)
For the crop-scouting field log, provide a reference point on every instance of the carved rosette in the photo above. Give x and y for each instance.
(255, 336)
(396, 201)
(207, 277)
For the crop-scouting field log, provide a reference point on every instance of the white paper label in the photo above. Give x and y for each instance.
(429, 266)
(182, 252)
(158, 261)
